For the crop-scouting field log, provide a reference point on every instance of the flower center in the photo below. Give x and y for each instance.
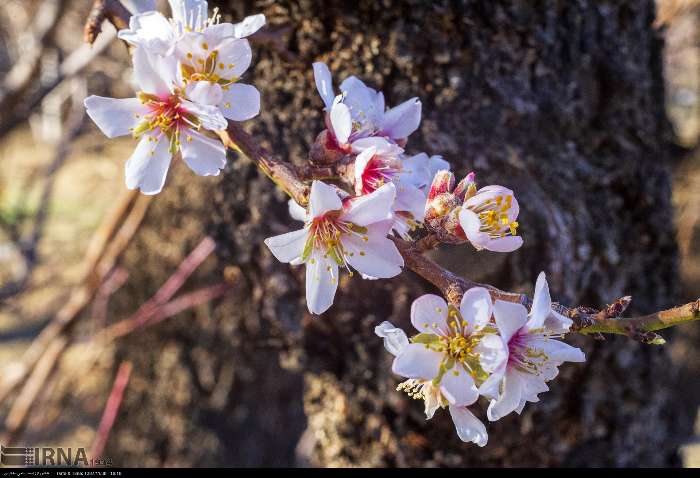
(325, 235)
(208, 68)
(378, 172)
(495, 218)
(524, 357)
(167, 116)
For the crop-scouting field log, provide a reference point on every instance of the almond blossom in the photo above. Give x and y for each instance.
(212, 55)
(359, 111)
(340, 231)
(533, 354)
(488, 219)
(380, 161)
(165, 123)
(455, 351)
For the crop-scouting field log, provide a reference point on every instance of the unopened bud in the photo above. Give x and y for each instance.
(443, 182)
(325, 149)
(466, 188)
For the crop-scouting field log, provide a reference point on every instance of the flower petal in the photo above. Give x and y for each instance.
(372, 254)
(510, 318)
(235, 56)
(204, 156)
(509, 399)
(341, 121)
(410, 199)
(204, 92)
(240, 102)
(147, 167)
(371, 208)
(558, 351)
(209, 115)
(323, 198)
(115, 117)
(459, 389)
(429, 314)
(402, 120)
(541, 304)
(469, 428)
(288, 247)
(249, 25)
(417, 361)
(152, 31)
(395, 340)
(324, 83)
(296, 211)
(476, 308)
(192, 13)
(152, 73)
(321, 283)
(493, 352)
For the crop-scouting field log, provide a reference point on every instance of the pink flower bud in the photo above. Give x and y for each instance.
(443, 182)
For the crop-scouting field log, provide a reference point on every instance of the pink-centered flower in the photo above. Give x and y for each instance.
(165, 123)
(533, 353)
(212, 56)
(340, 231)
(359, 111)
(455, 351)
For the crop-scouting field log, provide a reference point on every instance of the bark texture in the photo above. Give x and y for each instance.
(562, 101)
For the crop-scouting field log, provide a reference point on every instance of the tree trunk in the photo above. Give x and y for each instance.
(562, 101)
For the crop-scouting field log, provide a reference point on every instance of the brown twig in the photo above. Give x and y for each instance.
(102, 10)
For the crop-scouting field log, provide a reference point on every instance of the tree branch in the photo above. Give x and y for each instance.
(102, 10)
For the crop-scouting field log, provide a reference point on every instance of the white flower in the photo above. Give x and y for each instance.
(420, 169)
(488, 219)
(359, 111)
(349, 232)
(454, 350)
(165, 122)
(212, 55)
(533, 353)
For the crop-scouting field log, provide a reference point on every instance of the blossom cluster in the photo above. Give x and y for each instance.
(187, 70)
(483, 348)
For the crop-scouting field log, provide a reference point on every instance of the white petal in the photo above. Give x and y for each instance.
(323, 198)
(364, 102)
(114, 116)
(437, 163)
(321, 283)
(249, 25)
(324, 84)
(395, 340)
(361, 162)
(471, 226)
(381, 145)
(541, 304)
(410, 199)
(504, 244)
(417, 361)
(371, 208)
(204, 92)
(469, 428)
(147, 73)
(296, 211)
(429, 314)
(459, 389)
(376, 257)
(204, 156)
(493, 352)
(402, 120)
(150, 30)
(510, 318)
(288, 247)
(509, 399)
(241, 102)
(341, 121)
(209, 115)
(491, 386)
(476, 308)
(235, 55)
(148, 166)
(559, 351)
(557, 323)
(192, 13)
(432, 400)
(139, 6)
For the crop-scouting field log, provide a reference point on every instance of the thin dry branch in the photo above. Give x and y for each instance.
(102, 10)
(111, 409)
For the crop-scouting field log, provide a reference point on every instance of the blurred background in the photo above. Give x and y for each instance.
(102, 291)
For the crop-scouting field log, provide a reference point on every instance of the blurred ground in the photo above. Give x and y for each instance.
(90, 180)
